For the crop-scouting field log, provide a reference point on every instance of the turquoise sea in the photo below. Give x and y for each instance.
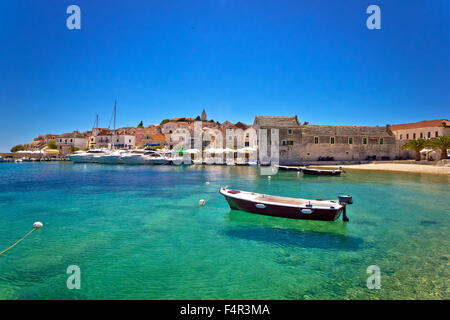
(137, 232)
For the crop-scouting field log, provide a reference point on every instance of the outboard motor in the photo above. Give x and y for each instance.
(344, 200)
(347, 199)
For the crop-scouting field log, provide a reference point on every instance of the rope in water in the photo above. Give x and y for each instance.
(20, 240)
(358, 213)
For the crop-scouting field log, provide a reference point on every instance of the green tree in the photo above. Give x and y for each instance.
(51, 145)
(198, 118)
(141, 125)
(19, 147)
(73, 149)
(164, 121)
(415, 145)
(440, 143)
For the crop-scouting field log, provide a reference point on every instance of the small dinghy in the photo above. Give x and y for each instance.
(289, 168)
(283, 207)
(322, 172)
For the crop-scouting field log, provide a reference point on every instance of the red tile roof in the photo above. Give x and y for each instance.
(157, 136)
(420, 124)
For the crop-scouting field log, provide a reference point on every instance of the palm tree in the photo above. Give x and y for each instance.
(441, 143)
(415, 145)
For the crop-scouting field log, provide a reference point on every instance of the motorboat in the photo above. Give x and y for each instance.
(156, 158)
(288, 168)
(136, 157)
(284, 207)
(252, 163)
(114, 157)
(321, 172)
(89, 156)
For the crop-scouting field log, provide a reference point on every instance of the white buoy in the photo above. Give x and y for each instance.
(37, 225)
(207, 183)
(201, 202)
(269, 177)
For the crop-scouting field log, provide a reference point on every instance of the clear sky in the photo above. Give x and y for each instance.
(237, 59)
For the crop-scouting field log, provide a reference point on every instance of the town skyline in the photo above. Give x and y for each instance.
(237, 60)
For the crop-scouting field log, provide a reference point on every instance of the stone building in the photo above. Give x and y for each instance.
(321, 142)
(67, 142)
(204, 117)
(421, 130)
(289, 132)
(307, 142)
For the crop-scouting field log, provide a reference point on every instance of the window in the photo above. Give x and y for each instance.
(316, 140)
(421, 135)
(247, 144)
(283, 142)
(364, 140)
(289, 131)
(350, 140)
(414, 136)
(401, 137)
(436, 134)
(407, 136)
(381, 140)
(332, 140)
(429, 135)
(290, 142)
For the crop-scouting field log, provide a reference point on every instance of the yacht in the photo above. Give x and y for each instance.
(115, 157)
(144, 156)
(89, 156)
(156, 158)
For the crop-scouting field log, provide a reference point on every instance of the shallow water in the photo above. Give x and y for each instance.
(137, 232)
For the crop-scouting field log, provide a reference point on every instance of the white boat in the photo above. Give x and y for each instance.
(241, 161)
(116, 157)
(2, 160)
(135, 157)
(142, 156)
(230, 162)
(89, 156)
(178, 161)
(252, 163)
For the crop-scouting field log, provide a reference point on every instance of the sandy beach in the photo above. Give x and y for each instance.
(402, 167)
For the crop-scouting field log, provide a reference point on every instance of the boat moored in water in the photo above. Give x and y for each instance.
(283, 207)
(289, 168)
(89, 156)
(321, 172)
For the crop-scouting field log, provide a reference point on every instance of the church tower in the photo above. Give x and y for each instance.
(203, 116)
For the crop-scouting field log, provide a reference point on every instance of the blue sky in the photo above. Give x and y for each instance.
(162, 59)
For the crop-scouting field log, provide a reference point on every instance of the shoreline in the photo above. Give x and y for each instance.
(395, 167)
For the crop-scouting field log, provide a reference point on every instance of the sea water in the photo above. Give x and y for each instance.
(137, 232)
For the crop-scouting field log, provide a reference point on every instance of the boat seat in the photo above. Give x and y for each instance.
(281, 199)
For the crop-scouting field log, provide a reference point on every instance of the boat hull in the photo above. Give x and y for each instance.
(281, 211)
(81, 159)
(315, 172)
(110, 160)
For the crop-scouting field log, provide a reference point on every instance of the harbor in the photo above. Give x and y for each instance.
(141, 228)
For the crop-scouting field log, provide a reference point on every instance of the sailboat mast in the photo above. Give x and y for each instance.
(114, 135)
